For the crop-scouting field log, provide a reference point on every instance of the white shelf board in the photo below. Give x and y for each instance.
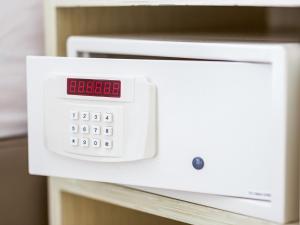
(89, 3)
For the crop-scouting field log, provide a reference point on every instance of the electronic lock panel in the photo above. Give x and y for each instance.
(96, 116)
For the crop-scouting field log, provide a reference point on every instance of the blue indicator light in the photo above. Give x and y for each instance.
(198, 163)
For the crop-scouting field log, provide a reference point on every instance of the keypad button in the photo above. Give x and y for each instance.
(107, 131)
(85, 116)
(95, 116)
(95, 143)
(74, 115)
(108, 117)
(84, 142)
(95, 130)
(84, 129)
(74, 128)
(74, 141)
(108, 144)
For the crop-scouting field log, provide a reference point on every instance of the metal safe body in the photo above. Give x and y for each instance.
(211, 123)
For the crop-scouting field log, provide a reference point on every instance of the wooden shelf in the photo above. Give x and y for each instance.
(142, 201)
(264, 3)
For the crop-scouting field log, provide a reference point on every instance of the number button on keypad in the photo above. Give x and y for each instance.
(84, 142)
(108, 117)
(85, 116)
(84, 129)
(74, 115)
(95, 116)
(74, 128)
(95, 130)
(95, 143)
(108, 131)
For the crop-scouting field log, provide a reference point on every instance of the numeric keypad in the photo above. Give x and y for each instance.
(91, 130)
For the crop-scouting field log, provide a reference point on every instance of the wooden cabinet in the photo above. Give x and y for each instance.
(83, 202)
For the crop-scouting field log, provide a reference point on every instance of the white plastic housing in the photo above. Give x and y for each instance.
(133, 119)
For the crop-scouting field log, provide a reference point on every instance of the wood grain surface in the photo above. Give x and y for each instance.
(23, 197)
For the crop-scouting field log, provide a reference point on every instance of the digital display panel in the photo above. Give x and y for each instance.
(91, 87)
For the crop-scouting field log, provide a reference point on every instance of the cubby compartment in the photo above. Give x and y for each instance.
(79, 210)
(210, 23)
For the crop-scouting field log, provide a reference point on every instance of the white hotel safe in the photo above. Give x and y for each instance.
(211, 123)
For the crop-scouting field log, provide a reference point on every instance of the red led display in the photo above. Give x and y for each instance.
(90, 87)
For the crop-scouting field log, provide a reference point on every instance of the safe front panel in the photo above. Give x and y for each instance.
(218, 111)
